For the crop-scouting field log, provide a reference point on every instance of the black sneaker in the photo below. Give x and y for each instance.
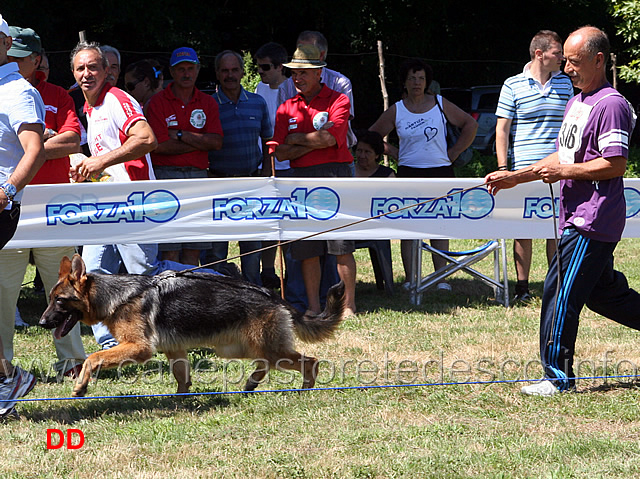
(524, 298)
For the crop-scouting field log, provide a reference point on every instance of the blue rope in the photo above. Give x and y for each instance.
(336, 388)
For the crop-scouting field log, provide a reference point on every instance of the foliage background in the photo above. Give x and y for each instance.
(467, 42)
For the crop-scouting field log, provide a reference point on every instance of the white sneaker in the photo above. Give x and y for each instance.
(543, 388)
(443, 287)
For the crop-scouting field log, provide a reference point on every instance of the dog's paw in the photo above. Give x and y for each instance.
(79, 392)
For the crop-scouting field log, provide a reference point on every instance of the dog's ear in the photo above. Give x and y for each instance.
(65, 267)
(78, 269)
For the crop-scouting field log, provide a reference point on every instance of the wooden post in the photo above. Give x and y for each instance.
(383, 86)
(614, 67)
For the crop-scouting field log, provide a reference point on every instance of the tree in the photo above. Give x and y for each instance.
(628, 14)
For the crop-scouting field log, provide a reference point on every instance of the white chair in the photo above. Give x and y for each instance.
(461, 261)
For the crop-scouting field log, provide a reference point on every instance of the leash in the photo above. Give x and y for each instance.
(357, 222)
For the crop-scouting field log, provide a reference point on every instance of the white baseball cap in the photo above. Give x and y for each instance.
(4, 26)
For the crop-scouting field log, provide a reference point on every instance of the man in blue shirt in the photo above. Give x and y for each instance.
(529, 112)
(245, 119)
(21, 155)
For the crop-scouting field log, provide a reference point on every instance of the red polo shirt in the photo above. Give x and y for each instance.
(296, 116)
(166, 112)
(60, 116)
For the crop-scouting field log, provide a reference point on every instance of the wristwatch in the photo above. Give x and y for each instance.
(9, 190)
(179, 135)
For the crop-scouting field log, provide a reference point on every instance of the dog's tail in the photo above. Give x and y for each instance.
(313, 328)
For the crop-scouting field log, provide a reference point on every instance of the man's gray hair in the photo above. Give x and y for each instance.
(316, 37)
(109, 49)
(596, 41)
(223, 54)
(89, 46)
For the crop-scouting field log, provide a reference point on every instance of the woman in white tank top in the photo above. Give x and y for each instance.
(421, 129)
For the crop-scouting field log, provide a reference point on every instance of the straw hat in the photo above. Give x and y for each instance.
(306, 56)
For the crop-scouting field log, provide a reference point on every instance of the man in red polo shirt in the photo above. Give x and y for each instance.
(187, 125)
(61, 137)
(311, 132)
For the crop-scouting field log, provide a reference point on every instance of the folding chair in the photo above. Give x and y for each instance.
(461, 261)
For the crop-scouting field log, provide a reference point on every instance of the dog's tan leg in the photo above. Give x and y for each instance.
(80, 388)
(258, 375)
(179, 365)
(305, 364)
(119, 355)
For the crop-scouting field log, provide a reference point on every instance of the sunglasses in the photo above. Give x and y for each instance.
(130, 86)
(265, 67)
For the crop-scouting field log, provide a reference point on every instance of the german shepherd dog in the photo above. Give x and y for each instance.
(173, 312)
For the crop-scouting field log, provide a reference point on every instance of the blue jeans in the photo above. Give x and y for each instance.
(294, 290)
(249, 264)
(108, 259)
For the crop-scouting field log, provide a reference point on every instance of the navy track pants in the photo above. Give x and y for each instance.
(587, 278)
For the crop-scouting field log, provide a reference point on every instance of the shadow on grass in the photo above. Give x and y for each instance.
(73, 410)
(614, 386)
(465, 293)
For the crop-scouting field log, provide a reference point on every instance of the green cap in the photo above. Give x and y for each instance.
(25, 42)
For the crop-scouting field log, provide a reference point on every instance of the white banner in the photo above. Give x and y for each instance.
(287, 208)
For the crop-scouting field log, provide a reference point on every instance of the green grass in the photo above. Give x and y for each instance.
(448, 431)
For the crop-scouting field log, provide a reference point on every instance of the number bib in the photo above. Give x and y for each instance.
(570, 136)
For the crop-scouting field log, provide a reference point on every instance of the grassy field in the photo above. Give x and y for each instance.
(433, 426)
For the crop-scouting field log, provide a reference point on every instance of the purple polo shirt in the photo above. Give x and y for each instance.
(595, 208)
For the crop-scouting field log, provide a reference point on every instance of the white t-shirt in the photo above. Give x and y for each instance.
(108, 122)
(270, 95)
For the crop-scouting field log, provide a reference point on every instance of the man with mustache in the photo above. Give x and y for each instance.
(311, 132)
(119, 138)
(186, 123)
(112, 55)
(245, 120)
(590, 161)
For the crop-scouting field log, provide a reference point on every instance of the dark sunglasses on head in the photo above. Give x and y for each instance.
(131, 85)
(265, 67)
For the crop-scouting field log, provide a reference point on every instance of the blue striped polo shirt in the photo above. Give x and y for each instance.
(536, 112)
(243, 123)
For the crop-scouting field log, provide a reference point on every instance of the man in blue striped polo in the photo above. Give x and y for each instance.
(244, 117)
(530, 112)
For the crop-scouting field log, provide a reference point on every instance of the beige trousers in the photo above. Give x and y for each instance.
(13, 265)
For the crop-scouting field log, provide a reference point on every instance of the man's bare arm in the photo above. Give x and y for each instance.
(140, 141)
(62, 144)
(315, 140)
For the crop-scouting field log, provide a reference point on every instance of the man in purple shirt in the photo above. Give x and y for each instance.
(589, 163)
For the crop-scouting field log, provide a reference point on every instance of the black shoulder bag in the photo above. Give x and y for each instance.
(453, 133)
